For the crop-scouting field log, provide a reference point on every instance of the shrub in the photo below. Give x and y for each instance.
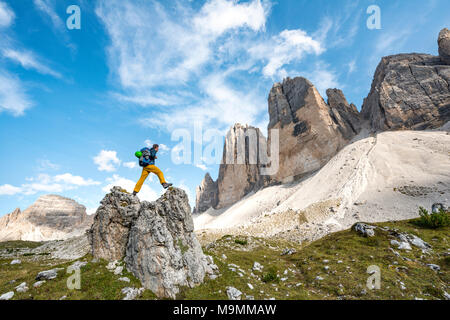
(270, 275)
(434, 220)
(241, 242)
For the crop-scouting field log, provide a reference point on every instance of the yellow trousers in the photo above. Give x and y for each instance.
(145, 172)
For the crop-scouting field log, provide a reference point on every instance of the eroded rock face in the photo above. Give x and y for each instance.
(51, 217)
(345, 114)
(156, 239)
(409, 91)
(162, 249)
(108, 235)
(207, 195)
(244, 153)
(444, 45)
(310, 131)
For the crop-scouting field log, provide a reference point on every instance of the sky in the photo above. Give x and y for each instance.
(76, 103)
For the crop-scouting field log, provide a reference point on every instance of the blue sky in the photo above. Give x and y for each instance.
(76, 104)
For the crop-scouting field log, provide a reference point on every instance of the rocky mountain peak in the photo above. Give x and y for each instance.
(444, 45)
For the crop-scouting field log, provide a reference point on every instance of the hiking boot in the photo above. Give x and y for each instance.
(134, 193)
(167, 185)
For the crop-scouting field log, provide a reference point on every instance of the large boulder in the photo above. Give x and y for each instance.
(108, 235)
(162, 249)
(156, 240)
(310, 131)
(410, 91)
(444, 45)
(345, 114)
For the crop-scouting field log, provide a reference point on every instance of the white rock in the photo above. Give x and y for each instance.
(112, 265)
(7, 296)
(434, 267)
(224, 257)
(17, 261)
(131, 293)
(22, 287)
(401, 245)
(233, 293)
(257, 266)
(319, 278)
(118, 270)
(47, 275)
(39, 283)
(250, 286)
(124, 279)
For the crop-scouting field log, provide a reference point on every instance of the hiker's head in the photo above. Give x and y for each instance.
(156, 147)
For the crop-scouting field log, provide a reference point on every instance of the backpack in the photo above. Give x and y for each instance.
(146, 157)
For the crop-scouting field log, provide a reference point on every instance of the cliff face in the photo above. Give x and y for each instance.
(409, 91)
(310, 130)
(244, 154)
(51, 217)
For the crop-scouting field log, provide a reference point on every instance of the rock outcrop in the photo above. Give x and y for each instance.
(310, 131)
(244, 154)
(51, 217)
(207, 195)
(409, 91)
(112, 222)
(444, 45)
(156, 240)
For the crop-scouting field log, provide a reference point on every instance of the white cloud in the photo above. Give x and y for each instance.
(47, 7)
(146, 192)
(49, 184)
(288, 46)
(6, 15)
(202, 167)
(29, 61)
(13, 98)
(130, 165)
(107, 161)
(9, 190)
(75, 180)
(219, 16)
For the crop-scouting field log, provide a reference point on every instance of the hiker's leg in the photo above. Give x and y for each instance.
(155, 170)
(141, 181)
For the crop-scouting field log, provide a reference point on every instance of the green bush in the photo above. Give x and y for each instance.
(270, 276)
(434, 220)
(241, 242)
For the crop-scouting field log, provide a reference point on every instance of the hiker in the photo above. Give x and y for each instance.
(147, 159)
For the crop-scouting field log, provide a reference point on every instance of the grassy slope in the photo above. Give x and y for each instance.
(345, 280)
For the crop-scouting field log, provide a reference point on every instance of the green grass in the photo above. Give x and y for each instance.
(346, 254)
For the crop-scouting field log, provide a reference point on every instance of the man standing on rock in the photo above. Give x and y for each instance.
(147, 159)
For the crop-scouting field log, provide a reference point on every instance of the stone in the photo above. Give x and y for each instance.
(233, 293)
(162, 250)
(436, 207)
(7, 296)
(109, 233)
(16, 262)
(118, 270)
(51, 217)
(207, 195)
(364, 229)
(124, 279)
(78, 265)
(319, 278)
(289, 252)
(69, 249)
(401, 245)
(47, 275)
(257, 266)
(310, 133)
(132, 293)
(22, 287)
(250, 286)
(345, 114)
(39, 283)
(444, 45)
(409, 91)
(434, 267)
